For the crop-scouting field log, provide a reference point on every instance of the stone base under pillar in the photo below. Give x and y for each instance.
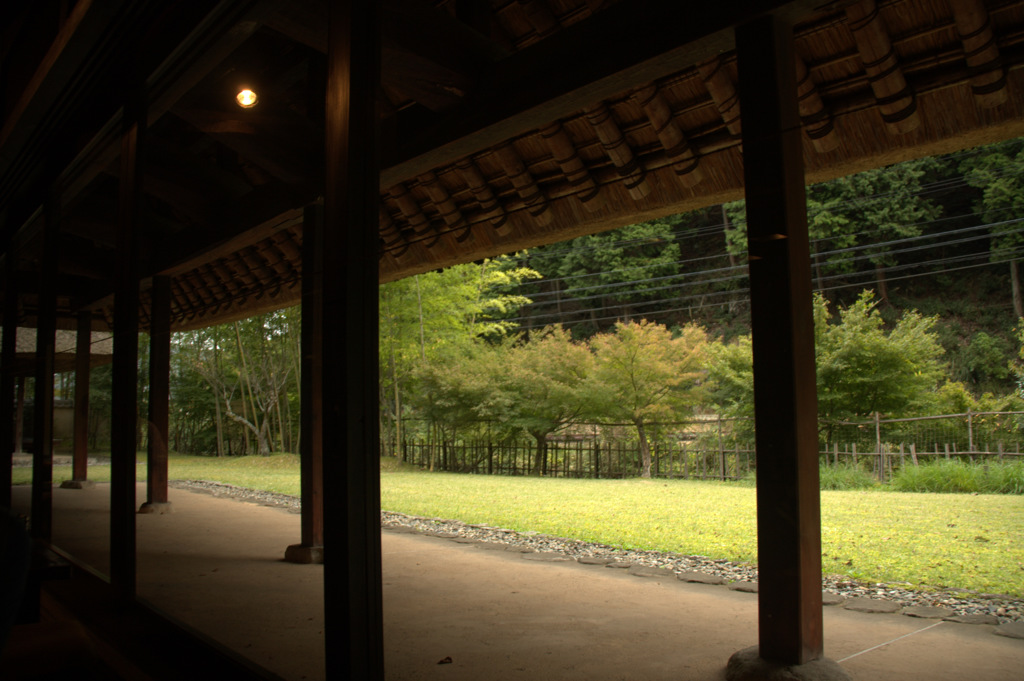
(747, 665)
(158, 507)
(77, 484)
(307, 555)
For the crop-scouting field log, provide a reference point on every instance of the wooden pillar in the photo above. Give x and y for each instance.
(126, 355)
(159, 397)
(19, 416)
(8, 356)
(785, 397)
(46, 331)
(80, 458)
(354, 639)
(310, 548)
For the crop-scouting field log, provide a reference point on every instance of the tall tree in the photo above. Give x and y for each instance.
(998, 171)
(864, 368)
(642, 373)
(545, 383)
(871, 210)
(611, 273)
(442, 315)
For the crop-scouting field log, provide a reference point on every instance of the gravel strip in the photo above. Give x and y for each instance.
(962, 601)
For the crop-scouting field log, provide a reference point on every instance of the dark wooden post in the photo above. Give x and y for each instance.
(80, 458)
(19, 416)
(8, 356)
(46, 331)
(126, 355)
(354, 638)
(785, 397)
(159, 397)
(310, 548)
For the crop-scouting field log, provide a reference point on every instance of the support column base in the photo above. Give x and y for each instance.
(307, 555)
(158, 507)
(77, 484)
(748, 665)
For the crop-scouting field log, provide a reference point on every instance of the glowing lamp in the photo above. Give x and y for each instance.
(246, 98)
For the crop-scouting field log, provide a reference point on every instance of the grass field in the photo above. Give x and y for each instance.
(925, 540)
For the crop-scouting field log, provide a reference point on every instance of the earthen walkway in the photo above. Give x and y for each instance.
(456, 611)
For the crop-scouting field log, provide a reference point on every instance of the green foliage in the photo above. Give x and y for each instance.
(643, 374)
(985, 357)
(831, 477)
(599, 264)
(865, 210)
(731, 377)
(431, 320)
(544, 384)
(956, 476)
(845, 477)
(998, 170)
(862, 368)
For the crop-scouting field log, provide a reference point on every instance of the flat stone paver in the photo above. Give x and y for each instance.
(745, 587)
(644, 571)
(974, 618)
(829, 598)
(594, 560)
(871, 605)
(928, 612)
(700, 578)
(547, 557)
(1011, 630)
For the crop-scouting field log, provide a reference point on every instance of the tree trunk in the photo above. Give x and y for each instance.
(883, 288)
(645, 450)
(419, 305)
(1018, 303)
(539, 456)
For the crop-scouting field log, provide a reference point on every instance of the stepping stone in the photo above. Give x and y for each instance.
(515, 548)
(465, 540)
(594, 560)
(700, 578)
(829, 598)
(871, 605)
(491, 546)
(547, 557)
(974, 618)
(928, 612)
(402, 529)
(442, 535)
(644, 571)
(745, 587)
(1011, 630)
(620, 564)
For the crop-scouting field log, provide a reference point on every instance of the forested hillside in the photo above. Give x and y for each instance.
(942, 236)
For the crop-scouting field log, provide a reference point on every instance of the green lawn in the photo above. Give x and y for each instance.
(927, 540)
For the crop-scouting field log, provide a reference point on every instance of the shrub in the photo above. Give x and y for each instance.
(962, 477)
(845, 477)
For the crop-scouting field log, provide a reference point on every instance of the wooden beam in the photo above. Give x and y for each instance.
(42, 416)
(311, 422)
(159, 396)
(353, 632)
(124, 380)
(652, 39)
(785, 397)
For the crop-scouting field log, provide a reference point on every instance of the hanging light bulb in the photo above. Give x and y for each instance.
(246, 98)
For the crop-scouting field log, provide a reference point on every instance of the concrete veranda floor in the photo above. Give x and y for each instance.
(216, 564)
